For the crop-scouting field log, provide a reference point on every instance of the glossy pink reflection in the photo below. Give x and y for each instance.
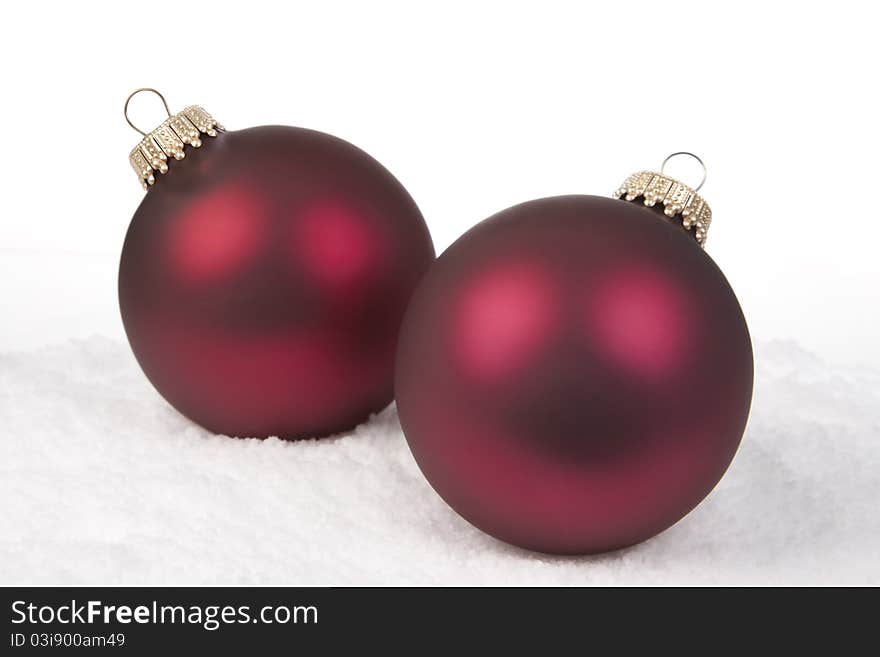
(218, 233)
(641, 318)
(501, 319)
(343, 247)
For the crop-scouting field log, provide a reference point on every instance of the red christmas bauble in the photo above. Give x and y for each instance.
(574, 374)
(263, 280)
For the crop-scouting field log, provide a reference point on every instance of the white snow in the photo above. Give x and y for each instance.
(104, 483)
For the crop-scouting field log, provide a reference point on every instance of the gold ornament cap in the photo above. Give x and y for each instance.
(169, 140)
(679, 200)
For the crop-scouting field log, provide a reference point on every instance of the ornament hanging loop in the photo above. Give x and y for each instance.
(689, 154)
(135, 93)
(678, 199)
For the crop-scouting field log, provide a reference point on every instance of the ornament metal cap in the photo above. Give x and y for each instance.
(679, 200)
(169, 139)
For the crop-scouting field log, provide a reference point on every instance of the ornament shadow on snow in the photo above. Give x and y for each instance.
(265, 274)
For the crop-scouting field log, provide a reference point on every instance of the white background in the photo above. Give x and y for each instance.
(474, 107)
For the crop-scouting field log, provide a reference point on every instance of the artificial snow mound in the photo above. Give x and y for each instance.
(104, 483)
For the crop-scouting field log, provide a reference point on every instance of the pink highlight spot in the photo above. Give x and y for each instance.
(502, 318)
(335, 244)
(641, 318)
(217, 235)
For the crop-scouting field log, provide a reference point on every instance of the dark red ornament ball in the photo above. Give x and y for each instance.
(574, 374)
(263, 280)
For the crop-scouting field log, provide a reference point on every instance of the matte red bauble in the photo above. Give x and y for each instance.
(264, 277)
(574, 374)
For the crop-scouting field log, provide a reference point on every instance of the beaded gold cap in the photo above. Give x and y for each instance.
(678, 199)
(169, 139)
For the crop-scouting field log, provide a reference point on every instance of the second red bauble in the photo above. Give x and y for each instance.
(263, 280)
(574, 374)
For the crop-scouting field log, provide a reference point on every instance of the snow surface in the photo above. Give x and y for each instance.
(104, 483)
